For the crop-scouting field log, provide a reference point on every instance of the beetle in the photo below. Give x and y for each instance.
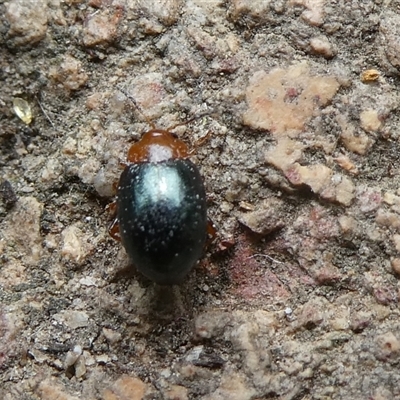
(161, 212)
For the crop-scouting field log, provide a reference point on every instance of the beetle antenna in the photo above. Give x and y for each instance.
(151, 123)
(204, 114)
(134, 102)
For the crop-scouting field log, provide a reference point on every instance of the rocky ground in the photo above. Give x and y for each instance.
(299, 129)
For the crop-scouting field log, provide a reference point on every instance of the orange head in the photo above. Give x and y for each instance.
(157, 145)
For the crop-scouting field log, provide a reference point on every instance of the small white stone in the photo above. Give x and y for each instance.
(288, 311)
(88, 281)
(80, 367)
(72, 356)
(103, 359)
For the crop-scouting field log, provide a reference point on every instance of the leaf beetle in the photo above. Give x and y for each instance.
(161, 212)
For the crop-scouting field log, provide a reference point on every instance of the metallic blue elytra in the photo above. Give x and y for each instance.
(162, 217)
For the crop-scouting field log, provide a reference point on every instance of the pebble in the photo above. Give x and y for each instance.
(75, 244)
(177, 392)
(322, 181)
(194, 354)
(23, 110)
(370, 120)
(272, 96)
(49, 389)
(23, 227)
(233, 386)
(70, 74)
(89, 359)
(356, 142)
(52, 170)
(320, 45)
(111, 335)
(285, 153)
(7, 194)
(311, 314)
(387, 346)
(341, 190)
(100, 28)
(389, 27)
(360, 321)
(211, 324)
(317, 176)
(125, 388)
(387, 218)
(347, 224)
(346, 163)
(102, 358)
(165, 11)
(88, 171)
(69, 146)
(265, 218)
(382, 393)
(73, 319)
(370, 75)
(391, 199)
(314, 10)
(39, 356)
(149, 93)
(255, 12)
(88, 281)
(368, 198)
(80, 367)
(328, 274)
(396, 241)
(72, 356)
(395, 263)
(28, 21)
(340, 320)
(385, 294)
(103, 182)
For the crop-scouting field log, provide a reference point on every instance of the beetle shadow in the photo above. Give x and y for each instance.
(168, 303)
(159, 304)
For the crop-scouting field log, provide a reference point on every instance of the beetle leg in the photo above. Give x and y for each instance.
(113, 229)
(115, 188)
(200, 142)
(203, 139)
(212, 238)
(211, 230)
